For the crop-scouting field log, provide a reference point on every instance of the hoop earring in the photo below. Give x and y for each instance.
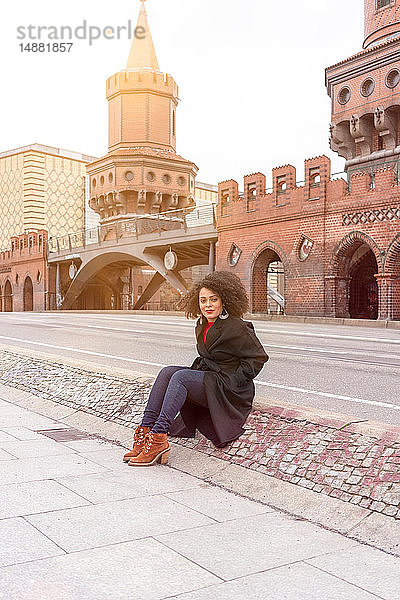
(224, 314)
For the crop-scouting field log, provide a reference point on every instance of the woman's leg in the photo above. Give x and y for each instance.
(157, 394)
(182, 383)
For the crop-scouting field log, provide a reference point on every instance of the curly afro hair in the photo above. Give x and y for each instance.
(223, 283)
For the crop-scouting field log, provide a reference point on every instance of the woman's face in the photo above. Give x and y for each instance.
(210, 304)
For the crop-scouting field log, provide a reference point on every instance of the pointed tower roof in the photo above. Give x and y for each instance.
(143, 54)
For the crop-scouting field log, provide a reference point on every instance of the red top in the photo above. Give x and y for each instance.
(206, 328)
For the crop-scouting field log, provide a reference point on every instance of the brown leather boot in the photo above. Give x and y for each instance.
(156, 449)
(139, 438)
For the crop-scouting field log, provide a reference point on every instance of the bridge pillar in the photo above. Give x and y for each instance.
(58, 287)
(211, 257)
(150, 290)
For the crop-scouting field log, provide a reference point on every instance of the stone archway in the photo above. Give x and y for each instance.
(391, 281)
(352, 289)
(28, 295)
(363, 286)
(7, 298)
(268, 270)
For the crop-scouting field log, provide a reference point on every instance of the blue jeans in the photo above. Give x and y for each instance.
(170, 390)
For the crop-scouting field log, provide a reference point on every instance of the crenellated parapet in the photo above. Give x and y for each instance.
(142, 80)
(32, 244)
(286, 199)
(228, 195)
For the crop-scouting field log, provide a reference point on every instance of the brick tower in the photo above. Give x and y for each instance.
(141, 173)
(365, 93)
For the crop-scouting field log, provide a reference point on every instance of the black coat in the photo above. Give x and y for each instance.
(231, 357)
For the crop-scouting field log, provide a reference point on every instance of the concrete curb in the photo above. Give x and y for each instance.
(352, 521)
(385, 324)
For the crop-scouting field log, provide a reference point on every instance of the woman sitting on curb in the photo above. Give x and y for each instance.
(216, 393)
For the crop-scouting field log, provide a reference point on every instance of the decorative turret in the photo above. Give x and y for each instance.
(365, 92)
(381, 21)
(142, 172)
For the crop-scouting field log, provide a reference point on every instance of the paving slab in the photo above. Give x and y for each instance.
(113, 522)
(366, 567)
(130, 483)
(94, 424)
(192, 461)
(6, 455)
(143, 569)
(379, 531)
(297, 581)
(35, 497)
(31, 449)
(110, 457)
(22, 433)
(25, 419)
(219, 504)
(89, 445)
(318, 508)
(6, 437)
(20, 542)
(45, 467)
(245, 546)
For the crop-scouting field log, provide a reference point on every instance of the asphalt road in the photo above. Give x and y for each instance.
(350, 370)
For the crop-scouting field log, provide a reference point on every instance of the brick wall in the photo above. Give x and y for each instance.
(337, 222)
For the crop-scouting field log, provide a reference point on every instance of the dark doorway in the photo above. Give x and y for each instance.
(28, 294)
(363, 302)
(8, 303)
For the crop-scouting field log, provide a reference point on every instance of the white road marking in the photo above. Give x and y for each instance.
(267, 345)
(327, 395)
(264, 383)
(258, 329)
(90, 352)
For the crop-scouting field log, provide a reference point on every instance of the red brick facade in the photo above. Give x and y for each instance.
(23, 274)
(349, 227)
(337, 241)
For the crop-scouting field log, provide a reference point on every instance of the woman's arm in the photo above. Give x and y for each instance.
(251, 354)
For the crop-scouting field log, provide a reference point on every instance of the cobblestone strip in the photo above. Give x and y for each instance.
(353, 467)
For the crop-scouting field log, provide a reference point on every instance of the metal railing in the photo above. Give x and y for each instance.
(148, 224)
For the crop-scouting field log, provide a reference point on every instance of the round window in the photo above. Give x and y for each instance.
(128, 175)
(393, 78)
(368, 87)
(181, 180)
(110, 177)
(344, 95)
(166, 178)
(150, 176)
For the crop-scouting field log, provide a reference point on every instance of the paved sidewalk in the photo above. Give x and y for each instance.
(355, 462)
(77, 523)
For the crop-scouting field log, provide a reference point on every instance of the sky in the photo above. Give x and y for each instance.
(250, 75)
